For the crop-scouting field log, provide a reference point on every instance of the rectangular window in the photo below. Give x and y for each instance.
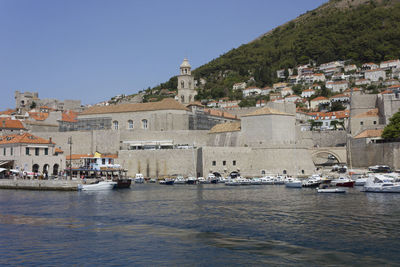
(103, 161)
(224, 162)
(4, 151)
(214, 163)
(36, 151)
(46, 151)
(374, 122)
(27, 151)
(11, 151)
(234, 163)
(361, 123)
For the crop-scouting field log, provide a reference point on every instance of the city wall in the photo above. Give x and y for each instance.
(365, 154)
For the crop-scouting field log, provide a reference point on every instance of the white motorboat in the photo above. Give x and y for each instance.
(381, 184)
(293, 183)
(139, 178)
(331, 190)
(233, 182)
(314, 181)
(267, 180)
(361, 181)
(180, 180)
(102, 185)
(202, 180)
(256, 181)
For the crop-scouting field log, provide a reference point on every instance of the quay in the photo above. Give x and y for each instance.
(42, 185)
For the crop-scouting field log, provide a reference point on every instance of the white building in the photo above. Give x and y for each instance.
(390, 64)
(375, 74)
(321, 100)
(251, 91)
(338, 86)
(349, 68)
(308, 93)
(362, 82)
(239, 86)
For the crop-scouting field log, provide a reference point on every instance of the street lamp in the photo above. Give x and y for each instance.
(70, 157)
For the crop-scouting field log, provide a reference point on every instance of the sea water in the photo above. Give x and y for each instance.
(199, 225)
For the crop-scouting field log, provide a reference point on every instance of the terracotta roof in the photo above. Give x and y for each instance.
(309, 90)
(39, 116)
(196, 103)
(25, 138)
(7, 112)
(11, 124)
(80, 156)
(337, 114)
(58, 150)
(226, 127)
(219, 113)
(266, 111)
(395, 86)
(370, 113)
(165, 104)
(370, 133)
(374, 70)
(319, 98)
(340, 96)
(355, 89)
(386, 92)
(69, 116)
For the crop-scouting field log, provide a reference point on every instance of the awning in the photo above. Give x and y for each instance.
(4, 162)
(2, 169)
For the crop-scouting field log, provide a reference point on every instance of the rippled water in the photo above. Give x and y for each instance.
(202, 225)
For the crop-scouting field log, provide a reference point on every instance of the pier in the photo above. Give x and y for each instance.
(42, 185)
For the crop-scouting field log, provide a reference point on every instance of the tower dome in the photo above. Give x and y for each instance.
(185, 64)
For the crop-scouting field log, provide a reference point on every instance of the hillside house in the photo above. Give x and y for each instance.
(239, 86)
(316, 102)
(349, 68)
(308, 93)
(362, 82)
(251, 91)
(369, 66)
(375, 75)
(390, 64)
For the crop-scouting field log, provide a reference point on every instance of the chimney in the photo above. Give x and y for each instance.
(50, 140)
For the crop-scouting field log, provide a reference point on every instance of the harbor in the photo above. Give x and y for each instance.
(225, 225)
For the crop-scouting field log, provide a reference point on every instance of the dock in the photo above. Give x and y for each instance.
(41, 185)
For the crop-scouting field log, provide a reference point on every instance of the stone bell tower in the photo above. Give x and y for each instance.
(186, 92)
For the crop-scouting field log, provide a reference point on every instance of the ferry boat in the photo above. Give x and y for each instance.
(101, 168)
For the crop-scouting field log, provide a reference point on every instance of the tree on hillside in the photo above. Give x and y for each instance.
(392, 130)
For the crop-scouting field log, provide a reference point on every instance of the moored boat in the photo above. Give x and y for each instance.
(343, 182)
(167, 181)
(293, 183)
(331, 190)
(98, 186)
(381, 184)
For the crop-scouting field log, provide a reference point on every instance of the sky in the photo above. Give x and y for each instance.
(92, 50)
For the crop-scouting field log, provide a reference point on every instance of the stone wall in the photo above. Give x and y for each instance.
(111, 141)
(252, 161)
(328, 138)
(364, 154)
(362, 103)
(160, 163)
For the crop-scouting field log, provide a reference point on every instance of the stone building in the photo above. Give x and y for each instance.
(27, 152)
(186, 91)
(27, 100)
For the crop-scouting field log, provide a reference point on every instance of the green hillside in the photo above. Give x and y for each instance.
(356, 30)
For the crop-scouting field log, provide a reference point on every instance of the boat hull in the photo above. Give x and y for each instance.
(294, 184)
(345, 184)
(123, 183)
(97, 187)
(331, 190)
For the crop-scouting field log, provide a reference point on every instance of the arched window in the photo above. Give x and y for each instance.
(144, 124)
(115, 123)
(190, 98)
(182, 84)
(190, 84)
(55, 169)
(182, 99)
(185, 71)
(35, 168)
(130, 124)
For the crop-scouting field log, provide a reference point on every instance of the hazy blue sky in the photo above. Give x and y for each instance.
(95, 49)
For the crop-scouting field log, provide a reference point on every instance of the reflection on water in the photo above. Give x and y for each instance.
(199, 225)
